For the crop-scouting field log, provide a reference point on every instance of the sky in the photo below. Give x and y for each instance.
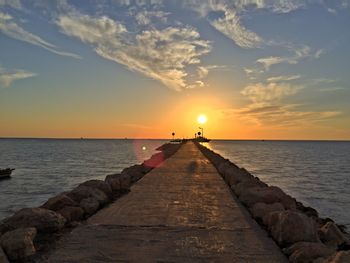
(258, 69)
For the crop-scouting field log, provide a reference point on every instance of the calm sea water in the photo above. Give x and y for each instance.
(45, 167)
(316, 173)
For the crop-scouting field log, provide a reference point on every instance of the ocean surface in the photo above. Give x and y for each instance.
(316, 173)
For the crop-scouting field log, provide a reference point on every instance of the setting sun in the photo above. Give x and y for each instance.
(202, 119)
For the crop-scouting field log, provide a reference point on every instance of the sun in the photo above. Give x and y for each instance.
(202, 119)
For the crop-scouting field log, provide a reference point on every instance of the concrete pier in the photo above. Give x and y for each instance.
(182, 211)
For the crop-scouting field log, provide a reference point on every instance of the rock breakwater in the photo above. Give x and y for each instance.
(299, 231)
(32, 230)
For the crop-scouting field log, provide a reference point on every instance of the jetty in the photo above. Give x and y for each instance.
(181, 211)
(184, 204)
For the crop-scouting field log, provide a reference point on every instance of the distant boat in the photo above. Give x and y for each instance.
(5, 173)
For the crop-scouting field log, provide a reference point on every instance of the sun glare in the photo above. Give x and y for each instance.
(202, 119)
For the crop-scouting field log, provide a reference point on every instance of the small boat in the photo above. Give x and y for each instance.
(5, 173)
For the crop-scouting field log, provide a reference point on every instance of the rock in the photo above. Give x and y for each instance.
(81, 192)
(101, 185)
(58, 202)
(135, 172)
(223, 167)
(155, 160)
(304, 252)
(72, 213)
(18, 244)
(309, 211)
(3, 257)
(243, 186)
(331, 235)
(340, 257)
(268, 195)
(90, 205)
(259, 210)
(288, 227)
(113, 180)
(42, 219)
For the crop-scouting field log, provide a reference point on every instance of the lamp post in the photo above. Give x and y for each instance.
(202, 131)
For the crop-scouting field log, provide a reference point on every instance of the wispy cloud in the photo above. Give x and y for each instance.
(229, 23)
(283, 78)
(16, 4)
(159, 54)
(13, 30)
(9, 76)
(299, 54)
(261, 92)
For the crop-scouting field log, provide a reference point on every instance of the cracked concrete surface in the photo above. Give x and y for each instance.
(182, 211)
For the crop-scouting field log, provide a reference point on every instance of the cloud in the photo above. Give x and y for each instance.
(229, 23)
(284, 6)
(261, 92)
(278, 116)
(11, 29)
(203, 71)
(16, 4)
(162, 55)
(7, 77)
(146, 17)
(299, 54)
(283, 78)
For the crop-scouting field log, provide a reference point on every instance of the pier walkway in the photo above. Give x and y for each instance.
(182, 211)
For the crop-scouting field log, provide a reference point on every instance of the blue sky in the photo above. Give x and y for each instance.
(257, 68)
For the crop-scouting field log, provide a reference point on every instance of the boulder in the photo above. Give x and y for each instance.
(101, 185)
(235, 175)
(340, 257)
(3, 257)
(331, 235)
(243, 186)
(259, 210)
(58, 202)
(288, 227)
(42, 219)
(113, 180)
(72, 213)
(224, 166)
(135, 172)
(304, 252)
(81, 192)
(90, 205)
(18, 244)
(309, 211)
(268, 195)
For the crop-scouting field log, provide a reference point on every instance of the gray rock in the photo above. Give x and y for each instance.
(288, 227)
(81, 192)
(304, 252)
(101, 185)
(268, 195)
(243, 186)
(3, 257)
(113, 180)
(90, 205)
(259, 210)
(331, 235)
(58, 202)
(135, 172)
(18, 244)
(72, 213)
(42, 219)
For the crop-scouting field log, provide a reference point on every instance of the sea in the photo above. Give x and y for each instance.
(316, 173)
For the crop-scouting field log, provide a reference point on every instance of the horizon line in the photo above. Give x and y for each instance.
(130, 138)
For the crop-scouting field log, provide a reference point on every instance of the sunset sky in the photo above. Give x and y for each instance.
(257, 69)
